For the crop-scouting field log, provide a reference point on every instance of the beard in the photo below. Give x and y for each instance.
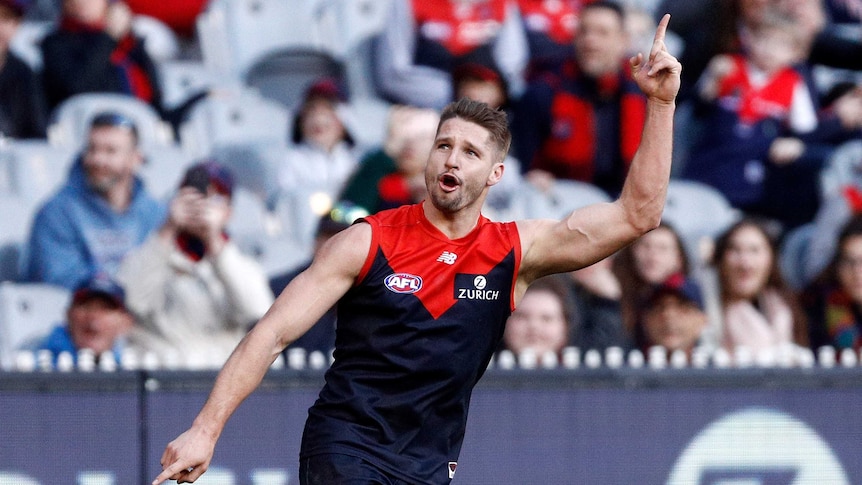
(450, 202)
(103, 185)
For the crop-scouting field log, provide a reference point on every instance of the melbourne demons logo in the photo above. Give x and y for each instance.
(403, 283)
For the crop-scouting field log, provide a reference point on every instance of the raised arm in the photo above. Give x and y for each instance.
(298, 307)
(594, 232)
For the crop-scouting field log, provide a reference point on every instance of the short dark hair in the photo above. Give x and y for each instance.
(483, 115)
(616, 7)
(115, 119)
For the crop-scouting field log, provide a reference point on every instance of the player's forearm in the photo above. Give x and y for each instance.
(239, 377)
(645, 189)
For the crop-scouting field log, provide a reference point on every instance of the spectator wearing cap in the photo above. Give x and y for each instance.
(101, 213)
(673, 317)
(93, 49)
(321, 336)
(97, 320)
(22, 108)
(192, 290)
(323, 154)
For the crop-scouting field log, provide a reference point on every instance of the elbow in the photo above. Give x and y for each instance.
(642, 222)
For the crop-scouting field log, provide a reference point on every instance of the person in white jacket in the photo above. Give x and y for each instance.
(193, 292)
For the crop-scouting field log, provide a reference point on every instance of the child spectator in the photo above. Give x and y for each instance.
(756, 107)
(97, 320)
(323, 154)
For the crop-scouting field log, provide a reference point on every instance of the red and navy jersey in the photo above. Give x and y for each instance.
(752, 103)
(451, 33)
(414, 335)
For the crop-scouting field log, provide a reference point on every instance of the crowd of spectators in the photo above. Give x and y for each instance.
(757, 122)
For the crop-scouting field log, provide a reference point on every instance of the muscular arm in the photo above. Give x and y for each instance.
(594, 232)
(298, 307)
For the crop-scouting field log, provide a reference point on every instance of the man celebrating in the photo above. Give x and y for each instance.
(423, 292)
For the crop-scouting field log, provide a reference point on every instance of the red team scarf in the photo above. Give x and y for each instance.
(753, 104)
(572, 144)
(557, 19)
(459, 26)
(134, 78)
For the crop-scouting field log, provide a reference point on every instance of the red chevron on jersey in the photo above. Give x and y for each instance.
(438, 271)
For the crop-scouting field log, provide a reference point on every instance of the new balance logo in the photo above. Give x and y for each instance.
(447, 257)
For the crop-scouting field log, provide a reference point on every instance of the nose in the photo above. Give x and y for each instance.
(95, 158)
(452, 160)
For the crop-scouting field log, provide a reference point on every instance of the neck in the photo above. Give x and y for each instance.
(119, 197)
(453, 225)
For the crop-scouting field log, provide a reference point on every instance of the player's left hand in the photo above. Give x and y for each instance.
(658, 75)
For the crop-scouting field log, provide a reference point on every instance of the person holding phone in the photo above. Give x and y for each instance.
(192, 290)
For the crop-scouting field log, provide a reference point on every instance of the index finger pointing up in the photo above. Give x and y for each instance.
(658, 40)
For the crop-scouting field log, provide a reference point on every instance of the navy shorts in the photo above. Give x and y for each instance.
(337, 469)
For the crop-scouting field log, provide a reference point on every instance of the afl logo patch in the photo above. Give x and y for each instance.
(403, 283)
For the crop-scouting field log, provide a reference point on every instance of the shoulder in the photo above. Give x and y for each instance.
(58, 205)
(348, 250)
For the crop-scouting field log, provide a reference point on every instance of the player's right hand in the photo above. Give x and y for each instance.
(187, 457)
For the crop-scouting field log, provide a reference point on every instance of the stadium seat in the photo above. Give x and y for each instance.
(161, 42)
(254, 165)
(163, 169)
(697, 211)
(298, 212)
(27, 312)
(70, 120)
(233, 118)
(26, 41)
(235, 33)
(360, 23)
(284, 75)
(181, 80)
(34, 168)
(259, 233)
(15, 225)
(563, 197)
(843, 169)
(792, 254)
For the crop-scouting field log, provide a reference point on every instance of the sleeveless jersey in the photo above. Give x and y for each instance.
(414, 335)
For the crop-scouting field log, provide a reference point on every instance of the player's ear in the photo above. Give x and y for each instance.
(496, 174)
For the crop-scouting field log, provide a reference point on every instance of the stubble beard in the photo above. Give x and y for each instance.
(452, 202)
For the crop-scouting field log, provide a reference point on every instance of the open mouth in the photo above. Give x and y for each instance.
(449, 182)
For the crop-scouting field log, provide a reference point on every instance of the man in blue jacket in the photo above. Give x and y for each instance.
(101, 213)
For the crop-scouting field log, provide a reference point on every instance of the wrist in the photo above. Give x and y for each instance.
(659, 103)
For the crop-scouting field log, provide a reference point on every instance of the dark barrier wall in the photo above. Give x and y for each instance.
(768, 427)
